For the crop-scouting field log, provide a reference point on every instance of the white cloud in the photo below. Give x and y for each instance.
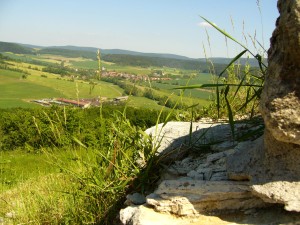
(205, 24)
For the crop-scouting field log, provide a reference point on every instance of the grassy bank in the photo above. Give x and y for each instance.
(74, 173)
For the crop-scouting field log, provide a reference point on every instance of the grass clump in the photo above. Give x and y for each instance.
(89, 173)
(237, 87)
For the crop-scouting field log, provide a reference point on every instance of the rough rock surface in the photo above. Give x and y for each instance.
(143, 215)
(174, 139)
(190, 197)
(283, 192)
(203, 183)
(280, 103)
(245, 163)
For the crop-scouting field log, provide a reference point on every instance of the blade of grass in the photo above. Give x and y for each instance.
(230, 114)
(233, 60)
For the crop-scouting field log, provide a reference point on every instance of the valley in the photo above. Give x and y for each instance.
(27, 77)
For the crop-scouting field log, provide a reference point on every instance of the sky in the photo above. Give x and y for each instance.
(153, 26)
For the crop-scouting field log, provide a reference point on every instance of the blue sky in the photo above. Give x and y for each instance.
(161, 26)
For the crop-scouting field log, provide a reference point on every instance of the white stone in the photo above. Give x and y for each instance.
(282, 192)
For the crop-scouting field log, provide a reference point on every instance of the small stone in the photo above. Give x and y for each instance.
(215, 157)
(185, 179)
(135, 199)
(207, 172)
(219, 155)
(195, 175)
(203, 166)
(219, 176)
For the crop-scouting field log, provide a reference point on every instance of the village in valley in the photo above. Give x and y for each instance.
(81, 103)
(97, 101)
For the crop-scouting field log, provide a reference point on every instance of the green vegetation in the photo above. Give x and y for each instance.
(15, 89)
(15, 48)
(83, 162)
(59, 80)
(238, 89)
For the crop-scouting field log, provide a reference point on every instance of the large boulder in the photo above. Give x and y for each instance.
(280, 102)
(174, 139)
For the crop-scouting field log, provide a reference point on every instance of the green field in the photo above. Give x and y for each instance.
(145, 102)
(91, 64)
(17, 92)
(195, 93)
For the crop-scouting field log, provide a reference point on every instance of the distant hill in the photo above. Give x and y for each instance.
(68, 52)
(159, 55)
(242, 61)
(123, 57)
(121, 52)
(14, 48)
(146, 61)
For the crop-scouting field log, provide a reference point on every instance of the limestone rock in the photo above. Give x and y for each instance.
(283, 192)
(244, 163)
(219, 176)
(273, 215)
(280, 102)
(185, 198)
(217, 156)
(142, 215)
(174, 138)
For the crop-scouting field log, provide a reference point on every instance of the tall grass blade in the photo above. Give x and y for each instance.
(218, 100)
(233, 60)
(230, 114)
(240, 85)
(224, 32)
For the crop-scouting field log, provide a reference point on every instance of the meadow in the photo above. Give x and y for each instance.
(55, 163)
(16, 91)
(40, 84)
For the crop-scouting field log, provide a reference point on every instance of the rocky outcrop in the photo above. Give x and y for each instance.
(203, 183)
(280, 98)
(174, 139)
(280, 102)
